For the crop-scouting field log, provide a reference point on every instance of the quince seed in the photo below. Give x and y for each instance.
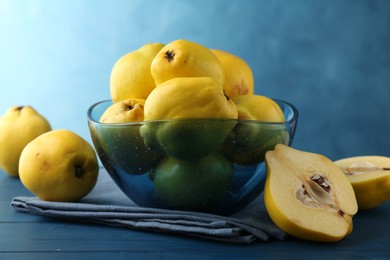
(321, 181)
(319, 192)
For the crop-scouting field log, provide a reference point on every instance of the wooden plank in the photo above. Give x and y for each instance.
(139, 255)
(11, 187)
(67, 236)
(50, 236)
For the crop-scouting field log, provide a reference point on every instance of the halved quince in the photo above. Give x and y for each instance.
(370, 179)
(307, 195)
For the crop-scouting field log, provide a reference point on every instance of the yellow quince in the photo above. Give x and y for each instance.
(125, 143)
(184, 107)
(131, 76)
(189, 97)
(249, 141)
(18, 126)
(238, 74)
(59, 166)
(125, 111)
(183, 58)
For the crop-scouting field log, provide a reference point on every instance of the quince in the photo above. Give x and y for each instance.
(307, 195)
(191, 102)
(257, 107)
(193, 185)
(122, 142)
(128, 110)
(251, 138)
(59, 166)
(238, 75)
(183, 58)
(18, 126)
(189, 97)
(370, 179)
(131, 76)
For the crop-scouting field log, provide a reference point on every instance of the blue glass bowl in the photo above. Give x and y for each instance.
(206, 165)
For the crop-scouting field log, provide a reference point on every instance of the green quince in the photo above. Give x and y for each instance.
(193, 185)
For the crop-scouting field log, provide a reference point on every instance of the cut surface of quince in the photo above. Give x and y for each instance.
(307, 195)
(370, 179)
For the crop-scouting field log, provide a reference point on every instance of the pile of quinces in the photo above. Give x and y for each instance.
(186, 80)
(188, 98)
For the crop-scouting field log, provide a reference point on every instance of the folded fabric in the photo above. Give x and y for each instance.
(106, 204)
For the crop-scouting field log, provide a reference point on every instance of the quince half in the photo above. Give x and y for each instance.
(370, 179)
(307, 195)
(183, 58)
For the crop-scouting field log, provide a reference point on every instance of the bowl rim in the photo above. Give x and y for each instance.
(292, 120)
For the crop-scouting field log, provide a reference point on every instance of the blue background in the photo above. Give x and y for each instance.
(331, 59)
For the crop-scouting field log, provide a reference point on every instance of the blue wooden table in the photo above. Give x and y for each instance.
(25, 236)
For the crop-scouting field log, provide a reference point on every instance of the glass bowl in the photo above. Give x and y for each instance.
(198, 164)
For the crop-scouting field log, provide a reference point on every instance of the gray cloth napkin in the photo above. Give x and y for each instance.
(107, 204)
